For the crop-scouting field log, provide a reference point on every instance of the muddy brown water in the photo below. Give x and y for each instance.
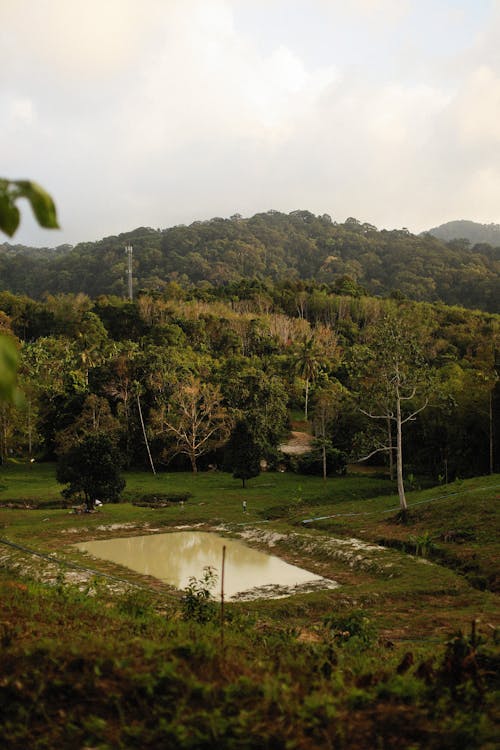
(176, 557)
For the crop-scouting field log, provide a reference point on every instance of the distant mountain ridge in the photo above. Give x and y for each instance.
(351, 258)
(468, 230)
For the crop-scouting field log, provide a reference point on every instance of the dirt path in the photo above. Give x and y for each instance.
(297, 444)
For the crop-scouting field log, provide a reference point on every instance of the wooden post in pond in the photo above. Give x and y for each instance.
(222, 600)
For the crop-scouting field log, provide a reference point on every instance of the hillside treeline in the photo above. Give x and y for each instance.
(187, 362)
(271, 248)
(472, 231)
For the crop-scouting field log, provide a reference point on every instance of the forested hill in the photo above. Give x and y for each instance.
(468, 230)
(353, 258)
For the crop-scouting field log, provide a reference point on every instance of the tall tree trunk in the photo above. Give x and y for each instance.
(307, 398)
(30, 439)
(399, 458)
(491, 430)
(192, 458)
(3, 445)
(391, 448)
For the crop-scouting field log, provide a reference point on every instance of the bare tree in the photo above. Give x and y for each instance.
(394, 385)
(196, 419)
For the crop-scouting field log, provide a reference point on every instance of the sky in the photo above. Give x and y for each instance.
(161, 112)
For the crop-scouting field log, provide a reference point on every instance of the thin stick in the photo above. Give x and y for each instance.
(222, 599)
(145, 436)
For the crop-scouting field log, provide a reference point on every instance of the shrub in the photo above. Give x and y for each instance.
(136, 603)
(312, 463)
(346, 628)
(197, 603)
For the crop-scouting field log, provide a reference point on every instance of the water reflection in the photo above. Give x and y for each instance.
(175, 557)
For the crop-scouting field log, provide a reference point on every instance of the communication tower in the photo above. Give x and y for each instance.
(129, 250)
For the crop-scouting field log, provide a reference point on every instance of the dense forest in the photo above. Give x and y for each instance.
(262, 354)
(352, 258)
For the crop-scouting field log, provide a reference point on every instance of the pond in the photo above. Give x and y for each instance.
(174, 558)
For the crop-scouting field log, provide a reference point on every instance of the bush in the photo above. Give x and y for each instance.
(136, 603)
(312, 463)
(355, 627)
(197, 603)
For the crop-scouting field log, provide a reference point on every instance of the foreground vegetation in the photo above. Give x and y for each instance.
(402, 654)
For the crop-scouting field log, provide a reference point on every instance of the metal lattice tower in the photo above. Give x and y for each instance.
(129, 250)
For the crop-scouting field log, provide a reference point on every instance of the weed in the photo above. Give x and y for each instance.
(136, 603)
(354, 628)
(357, 699)
(422, 543)
(197, 602)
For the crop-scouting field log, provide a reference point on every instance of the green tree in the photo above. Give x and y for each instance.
(120, 384)
(327, 406)
(90, 468)
(394, 384)
(308, 363)
(242, 455)
(94, 418)
(260, 398)
(9, 359)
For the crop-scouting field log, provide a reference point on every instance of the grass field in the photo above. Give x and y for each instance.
(91, 661)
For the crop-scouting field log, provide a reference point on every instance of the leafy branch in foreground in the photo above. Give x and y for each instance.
(41, 203)
(45, 213)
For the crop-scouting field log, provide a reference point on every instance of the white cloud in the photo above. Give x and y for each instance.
(165, 111)
(21, 111)
(72, 39)
(478, 109)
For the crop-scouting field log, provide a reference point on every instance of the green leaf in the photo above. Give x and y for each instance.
(9, 214)
(42, 204)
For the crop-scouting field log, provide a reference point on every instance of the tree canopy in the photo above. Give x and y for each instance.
(351, 258)
(88, 364)
(90, 468)
(242, 455)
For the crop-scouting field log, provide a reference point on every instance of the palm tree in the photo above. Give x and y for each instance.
(308, 364)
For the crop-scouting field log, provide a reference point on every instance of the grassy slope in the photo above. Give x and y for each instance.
(107, 670)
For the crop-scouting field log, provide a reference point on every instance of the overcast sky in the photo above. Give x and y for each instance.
(160, 112)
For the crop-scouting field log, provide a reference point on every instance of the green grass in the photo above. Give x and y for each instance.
(90, 666)
(31, 482)
(216, 495)
(457, 522)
